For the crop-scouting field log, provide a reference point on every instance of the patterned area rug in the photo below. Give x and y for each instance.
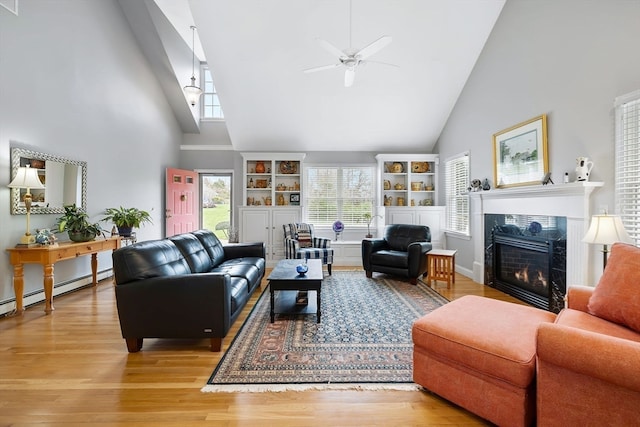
(362, 342)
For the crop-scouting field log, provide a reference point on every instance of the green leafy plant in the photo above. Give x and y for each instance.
(369, 218)
(127, 217)
(75, 221)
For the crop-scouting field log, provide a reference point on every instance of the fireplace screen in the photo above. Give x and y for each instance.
(525, 268)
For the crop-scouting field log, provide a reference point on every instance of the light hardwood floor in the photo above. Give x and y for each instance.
(72, 368)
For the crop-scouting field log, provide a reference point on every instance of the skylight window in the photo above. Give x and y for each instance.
(211, 108)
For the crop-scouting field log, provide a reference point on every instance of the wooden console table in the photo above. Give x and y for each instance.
(49, 255)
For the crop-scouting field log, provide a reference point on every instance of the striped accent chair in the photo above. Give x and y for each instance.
(312, 247)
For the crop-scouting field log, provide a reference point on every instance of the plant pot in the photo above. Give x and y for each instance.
(81, 236)
(125, 231)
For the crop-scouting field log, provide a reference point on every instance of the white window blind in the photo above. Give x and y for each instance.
(339, 193)
(457, 197)
(211, 108)
(627, 186)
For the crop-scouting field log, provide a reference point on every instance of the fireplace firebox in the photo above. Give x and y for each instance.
(528, 266)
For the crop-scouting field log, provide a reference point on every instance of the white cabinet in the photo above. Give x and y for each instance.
(272, 179)
(432, 216)
(408, 179)
(265, 224)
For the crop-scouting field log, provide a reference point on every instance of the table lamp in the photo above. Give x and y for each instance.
(27, 178)
(606, 230)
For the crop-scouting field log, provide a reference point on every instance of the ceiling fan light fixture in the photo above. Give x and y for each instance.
(193, 92)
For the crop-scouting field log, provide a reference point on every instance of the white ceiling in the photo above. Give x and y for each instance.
(258, 49)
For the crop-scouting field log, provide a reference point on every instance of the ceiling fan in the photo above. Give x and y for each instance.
(351, 58)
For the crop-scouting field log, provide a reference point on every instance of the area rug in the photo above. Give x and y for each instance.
(362, 342)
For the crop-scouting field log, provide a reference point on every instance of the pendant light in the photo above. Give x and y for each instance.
(192, 91)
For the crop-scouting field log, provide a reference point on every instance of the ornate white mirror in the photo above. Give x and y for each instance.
(65, 182)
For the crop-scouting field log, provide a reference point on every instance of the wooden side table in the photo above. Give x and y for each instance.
(441, 266)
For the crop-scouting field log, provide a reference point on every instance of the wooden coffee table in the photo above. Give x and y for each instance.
(284, 277)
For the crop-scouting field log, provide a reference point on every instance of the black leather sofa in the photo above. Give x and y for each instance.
(185, 286)
(402, 251)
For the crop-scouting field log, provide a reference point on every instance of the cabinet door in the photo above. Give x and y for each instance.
(280, 218)
(434, 218)
(255, 225)
(400, 216)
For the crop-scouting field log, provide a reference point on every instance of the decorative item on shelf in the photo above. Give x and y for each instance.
(261, 183)
(260, 166)
(281, 187)
(534, 228)
(419, 167)
(583, 168)
(338, 228)
(26, 178)
(296, 186)
(45, 237)
(250, 201)
(606, 230)
(476, 185)
(485, 185)
(547, 179)
(288, 167)
(126, 219)
(387, 200)
(398, 186)
(417, 186)
(413, 202)
(267, 200)
(294, 199)
(386, 184)
(76, 223)
(400, 201)
(251, 184)
(397, 167)
(280, 201)
(429, 187)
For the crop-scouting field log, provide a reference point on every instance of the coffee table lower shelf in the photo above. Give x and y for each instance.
(288, 283)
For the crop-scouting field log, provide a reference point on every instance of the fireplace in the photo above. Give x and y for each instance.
(527, 262)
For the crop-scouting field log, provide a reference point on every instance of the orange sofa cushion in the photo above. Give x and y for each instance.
(617, 296)
(496, 338)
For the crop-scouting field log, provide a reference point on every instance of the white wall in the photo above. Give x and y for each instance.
(568, 59)
(74, 83)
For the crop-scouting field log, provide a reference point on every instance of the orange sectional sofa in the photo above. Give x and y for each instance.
(515, 365)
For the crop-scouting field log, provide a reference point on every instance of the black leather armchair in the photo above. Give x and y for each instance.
(402, 251)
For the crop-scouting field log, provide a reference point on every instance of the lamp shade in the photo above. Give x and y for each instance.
(26, 178)
(606, 230)
(192, 92)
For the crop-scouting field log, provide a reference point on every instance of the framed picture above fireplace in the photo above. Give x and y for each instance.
(520, 155)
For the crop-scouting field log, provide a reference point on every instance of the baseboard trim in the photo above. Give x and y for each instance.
(37, 296)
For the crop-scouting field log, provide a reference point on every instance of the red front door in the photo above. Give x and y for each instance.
(182, 207)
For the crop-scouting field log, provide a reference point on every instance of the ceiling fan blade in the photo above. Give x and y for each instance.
(349, 77)
(378, 62)
(373, 47)
(321, 68)
(331, 48)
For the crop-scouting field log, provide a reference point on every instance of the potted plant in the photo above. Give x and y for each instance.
(76, 223)
(369, 219)
(126, 219)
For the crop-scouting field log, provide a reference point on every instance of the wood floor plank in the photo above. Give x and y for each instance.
(72, 368)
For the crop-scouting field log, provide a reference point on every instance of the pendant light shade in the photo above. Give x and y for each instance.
(193, 92)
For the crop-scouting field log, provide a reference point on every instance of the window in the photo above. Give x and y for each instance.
(344, 193)
(627, 153)
(457, 197)
(211, 108)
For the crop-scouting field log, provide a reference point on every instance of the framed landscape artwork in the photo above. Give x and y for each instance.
(520, 155)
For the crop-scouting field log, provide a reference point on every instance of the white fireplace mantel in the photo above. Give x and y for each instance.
(568, 200)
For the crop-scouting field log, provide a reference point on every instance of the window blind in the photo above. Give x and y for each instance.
(456, 193)
(627, 152)
(339, 193)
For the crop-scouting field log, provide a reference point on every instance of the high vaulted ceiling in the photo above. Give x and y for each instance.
(257, 51)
